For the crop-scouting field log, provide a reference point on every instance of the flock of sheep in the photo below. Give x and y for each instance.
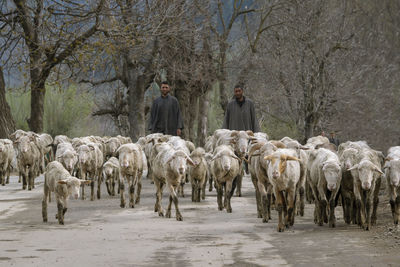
(284, 173)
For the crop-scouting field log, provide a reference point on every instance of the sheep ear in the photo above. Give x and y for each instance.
(292, 158)
(268, 157)
(377, 169)
(353, 168)
(250, 133)
(62, 182)
(190, 161)
(85, 181)
(234, 133)
(388, 159)
(171, 159)
(304, 148)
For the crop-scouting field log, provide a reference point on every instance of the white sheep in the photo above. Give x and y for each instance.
(6, 156)
(58, 180)
(198, 174)
(284, 173)
(392, 174)
(131, 168)
(110, 173)
(169, 168)
(225, 169)
(325, 175)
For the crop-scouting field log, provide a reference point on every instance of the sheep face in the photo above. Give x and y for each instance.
(73, 184)
(108, 172)
(348, 157)
(69, 160)
(2, 147)
(332, 173)
(23, 144)
(277, 164)
(83, 154)
(392, 170)
(178, 164)
(366, 170)
(225, 162)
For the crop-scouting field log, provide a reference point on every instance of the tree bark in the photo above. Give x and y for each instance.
(35, 121)
(193, 112)
(136, 108)
(7, 124)
(202, 121)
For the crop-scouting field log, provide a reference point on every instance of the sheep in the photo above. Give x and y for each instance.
(325, 175)
(58, 139)
(225, 168)
(59, 180)
(28, 160)
(198, 174)
(316, 140)
(131, 168)
(169, 168)
(367, 180)
(67, 156)
(179, 144)
(303, 156)
(90, 160)
(392, 174)
(111, 147)
(6, 156)
(259, 177)
(111, 174)
(284, 173)
(348, 158)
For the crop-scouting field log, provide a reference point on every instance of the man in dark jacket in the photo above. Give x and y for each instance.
(240, 114)
(165, 116)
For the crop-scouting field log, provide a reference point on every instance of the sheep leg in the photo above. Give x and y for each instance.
(24, 179)
(269, 199)
(239, 180)
(92, 188)
(2, 179)
(8, 174)
(368, 210)
(122, 192)
(139, 188)
(132, 185)
(375, 201)
(168, 213)
(302, 202)
(108, 186)
(19, 176)
(258, 196)
(264, 200)
(332, 218)
(279, 207)
(44, 202)
(112, 189)
(397, 210)
(218, 186)
(30, 178)
(199, 189)
(193, 191)
(60, 214)
(173, 195)
(157, 206)
(83, 177)
(210, 181)
(228, 195)
(203, 189)
(99, 181)
(291, 199)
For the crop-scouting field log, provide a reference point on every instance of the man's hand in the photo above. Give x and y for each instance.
(178, 132)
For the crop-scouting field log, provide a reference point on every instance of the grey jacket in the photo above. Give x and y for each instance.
(241, 118)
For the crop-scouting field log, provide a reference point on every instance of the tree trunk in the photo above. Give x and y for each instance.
(35, 122)
(7, 124)
(193, 112)
(202, 121)
(183, 96)
(136, 106)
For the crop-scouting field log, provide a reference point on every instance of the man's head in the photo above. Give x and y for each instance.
(332, 134)
(165, 88)
(238, 91)
(322, 133)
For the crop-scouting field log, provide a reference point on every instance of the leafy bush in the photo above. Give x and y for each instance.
(66, 111)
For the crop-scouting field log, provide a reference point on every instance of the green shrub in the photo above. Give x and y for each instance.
(66, 111)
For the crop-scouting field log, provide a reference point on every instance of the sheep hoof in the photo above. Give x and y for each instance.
(131, 205)
(259, 215)
(281, 228)
(265, 220)
(220, 208)
(179, 217)
(161, 214)
(44, 219)
(61, 222)
(137, 201)
(229, 210)
(122, 205)
(56, 216)
(168, 214)
(321, 223)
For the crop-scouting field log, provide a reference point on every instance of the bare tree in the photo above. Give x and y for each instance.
(7, 124)
(51, 32)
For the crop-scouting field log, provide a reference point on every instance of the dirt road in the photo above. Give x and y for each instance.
(99, 233)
